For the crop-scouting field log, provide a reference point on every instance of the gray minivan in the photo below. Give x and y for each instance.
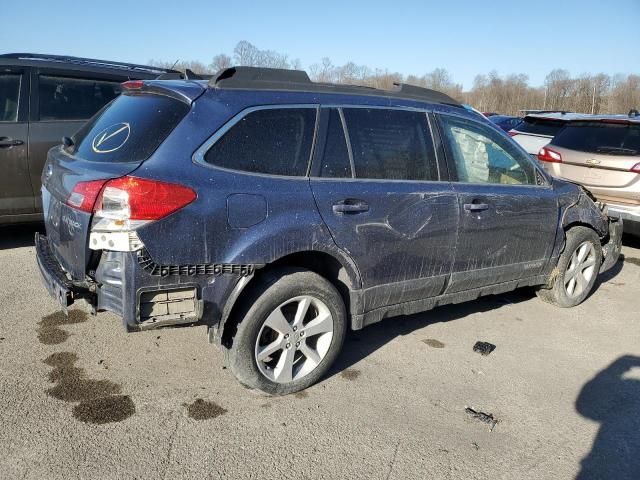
(42, 99)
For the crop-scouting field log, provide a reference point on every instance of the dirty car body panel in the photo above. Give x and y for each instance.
(402, 246)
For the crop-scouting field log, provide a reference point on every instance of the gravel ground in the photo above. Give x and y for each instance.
(559, 397)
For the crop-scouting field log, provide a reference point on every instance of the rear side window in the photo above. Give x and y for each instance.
(129, 129)
(391, 144)
(274, 141)
(539, 126)
(600, 137)
(9, 95)
(335, 160)
(65, 98)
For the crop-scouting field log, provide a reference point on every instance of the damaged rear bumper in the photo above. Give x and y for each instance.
(54, 278)
(144, 294)
(147, 295)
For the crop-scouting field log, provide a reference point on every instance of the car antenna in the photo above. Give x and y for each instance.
(175, 63)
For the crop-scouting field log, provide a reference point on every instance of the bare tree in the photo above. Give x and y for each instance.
(508, 94)
(220, 62)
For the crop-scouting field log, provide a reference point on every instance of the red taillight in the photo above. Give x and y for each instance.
(84, 195)
(636, 168)
(511, 133)
(547, 155)
(143, 199)
(133, 84)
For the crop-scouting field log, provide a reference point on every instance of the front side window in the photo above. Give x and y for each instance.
(275, 141)
(9, 95)
(66, 98)
(391, 144)
(482, 155)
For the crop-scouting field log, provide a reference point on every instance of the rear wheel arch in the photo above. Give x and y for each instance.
(338, 272)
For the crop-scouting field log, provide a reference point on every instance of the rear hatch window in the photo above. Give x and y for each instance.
(539, 126)
(129, 129)
(600, 137)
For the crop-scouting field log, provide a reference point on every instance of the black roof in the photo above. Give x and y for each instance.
(91, 63)
(257, 78)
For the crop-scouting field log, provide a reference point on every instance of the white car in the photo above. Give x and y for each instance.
(537, 130)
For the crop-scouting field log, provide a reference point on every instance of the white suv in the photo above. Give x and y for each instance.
(536, 130)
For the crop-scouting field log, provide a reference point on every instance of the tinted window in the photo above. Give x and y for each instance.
(275, 141)
(391, 144)
(63, 98)
(540, 126)
(335, 160)
(9, 95)
(129, 129)
(598, 137)
(482, 155)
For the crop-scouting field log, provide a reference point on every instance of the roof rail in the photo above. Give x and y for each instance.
(86, 61)
(259, 78)
(536, 112)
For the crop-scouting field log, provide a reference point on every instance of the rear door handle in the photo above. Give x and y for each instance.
(6, 142)
(350, 206)
(475, 207)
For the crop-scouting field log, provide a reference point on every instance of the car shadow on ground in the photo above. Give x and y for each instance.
(15, 236)
(612, 398)
(362, 343)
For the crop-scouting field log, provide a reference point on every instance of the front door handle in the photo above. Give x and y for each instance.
(475, 207)
(6, 142)
(350, 206)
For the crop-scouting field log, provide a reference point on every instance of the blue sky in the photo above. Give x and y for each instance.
(466, 37)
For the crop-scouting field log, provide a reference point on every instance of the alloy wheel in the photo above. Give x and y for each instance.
(580, 270)
(294, 339)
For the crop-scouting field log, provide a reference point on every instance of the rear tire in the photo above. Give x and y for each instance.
(577, 269)
(290, 330)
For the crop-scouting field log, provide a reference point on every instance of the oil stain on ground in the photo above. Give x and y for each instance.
(114, 408)
(350, 374)
(49, 331)
(99, 401)
(433, 343)
(632, 260)
(203, 410)
(301, 394)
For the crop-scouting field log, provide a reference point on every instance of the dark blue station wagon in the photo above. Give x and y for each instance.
(281, 212)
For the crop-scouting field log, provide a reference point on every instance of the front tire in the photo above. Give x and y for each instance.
(291, 328)
(577, 269)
